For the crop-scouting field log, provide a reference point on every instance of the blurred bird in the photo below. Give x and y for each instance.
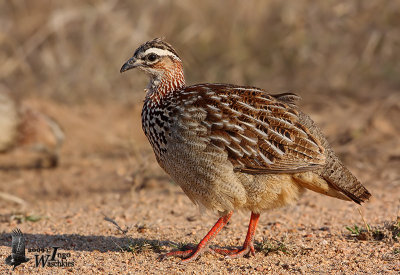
(28, 138)
(17, 256)
(233, 147)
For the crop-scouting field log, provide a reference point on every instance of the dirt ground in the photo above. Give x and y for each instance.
(107, 169)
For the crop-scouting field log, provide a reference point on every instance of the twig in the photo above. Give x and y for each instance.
(12, 198)
(116, 224)
(362, 217)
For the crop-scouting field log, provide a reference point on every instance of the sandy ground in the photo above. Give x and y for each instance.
(107, 169)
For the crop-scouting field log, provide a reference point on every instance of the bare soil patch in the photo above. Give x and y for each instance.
(108, 169)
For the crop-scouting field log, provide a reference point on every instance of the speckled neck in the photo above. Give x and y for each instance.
(162, 85)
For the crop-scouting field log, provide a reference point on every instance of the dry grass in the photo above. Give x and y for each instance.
(72, 50)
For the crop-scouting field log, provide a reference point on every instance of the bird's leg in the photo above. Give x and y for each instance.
(192, 254)
(248, 246)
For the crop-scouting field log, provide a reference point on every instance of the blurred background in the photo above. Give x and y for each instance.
(71, 51)
(63, 58)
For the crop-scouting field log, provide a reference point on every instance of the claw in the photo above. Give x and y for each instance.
(242, 252)
(178, 253)
(236, 253)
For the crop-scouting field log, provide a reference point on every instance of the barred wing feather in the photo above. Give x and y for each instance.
(260, 132)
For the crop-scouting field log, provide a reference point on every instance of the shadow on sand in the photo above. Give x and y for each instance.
(78, 242)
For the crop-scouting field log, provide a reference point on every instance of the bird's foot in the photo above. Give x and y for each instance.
(178, 253)
(236, 253)
(188, 255)
(248, 247)
(193, 253)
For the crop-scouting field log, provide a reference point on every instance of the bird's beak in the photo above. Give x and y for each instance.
(130, 64)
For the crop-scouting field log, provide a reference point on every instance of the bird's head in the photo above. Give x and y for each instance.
(157, 58)
(154, 57)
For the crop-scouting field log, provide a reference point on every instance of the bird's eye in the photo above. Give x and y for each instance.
(151, 57)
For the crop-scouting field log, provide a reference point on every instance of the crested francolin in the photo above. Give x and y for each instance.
(232, 147)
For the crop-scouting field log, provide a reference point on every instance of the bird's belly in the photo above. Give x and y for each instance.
(269, 191)
(207, 177)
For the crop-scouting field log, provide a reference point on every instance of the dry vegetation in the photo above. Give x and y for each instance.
(73, 49)
(64, 58)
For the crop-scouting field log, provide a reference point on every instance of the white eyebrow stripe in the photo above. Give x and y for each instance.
(159, 52)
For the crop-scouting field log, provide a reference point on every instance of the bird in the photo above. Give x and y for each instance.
(29, 138)
(232, 147)
(17, 256)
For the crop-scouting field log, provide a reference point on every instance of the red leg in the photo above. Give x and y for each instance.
(248, 246)
(192, 254)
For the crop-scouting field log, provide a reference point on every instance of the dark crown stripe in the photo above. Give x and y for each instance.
(156, 43)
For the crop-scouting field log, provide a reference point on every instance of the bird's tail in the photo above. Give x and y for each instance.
(343, 180)
(334, 172)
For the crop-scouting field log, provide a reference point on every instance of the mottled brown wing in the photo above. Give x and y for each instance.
(260, 132)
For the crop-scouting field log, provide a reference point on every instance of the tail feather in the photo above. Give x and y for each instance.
(334, 172)
(343, 180)
(317, 183)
